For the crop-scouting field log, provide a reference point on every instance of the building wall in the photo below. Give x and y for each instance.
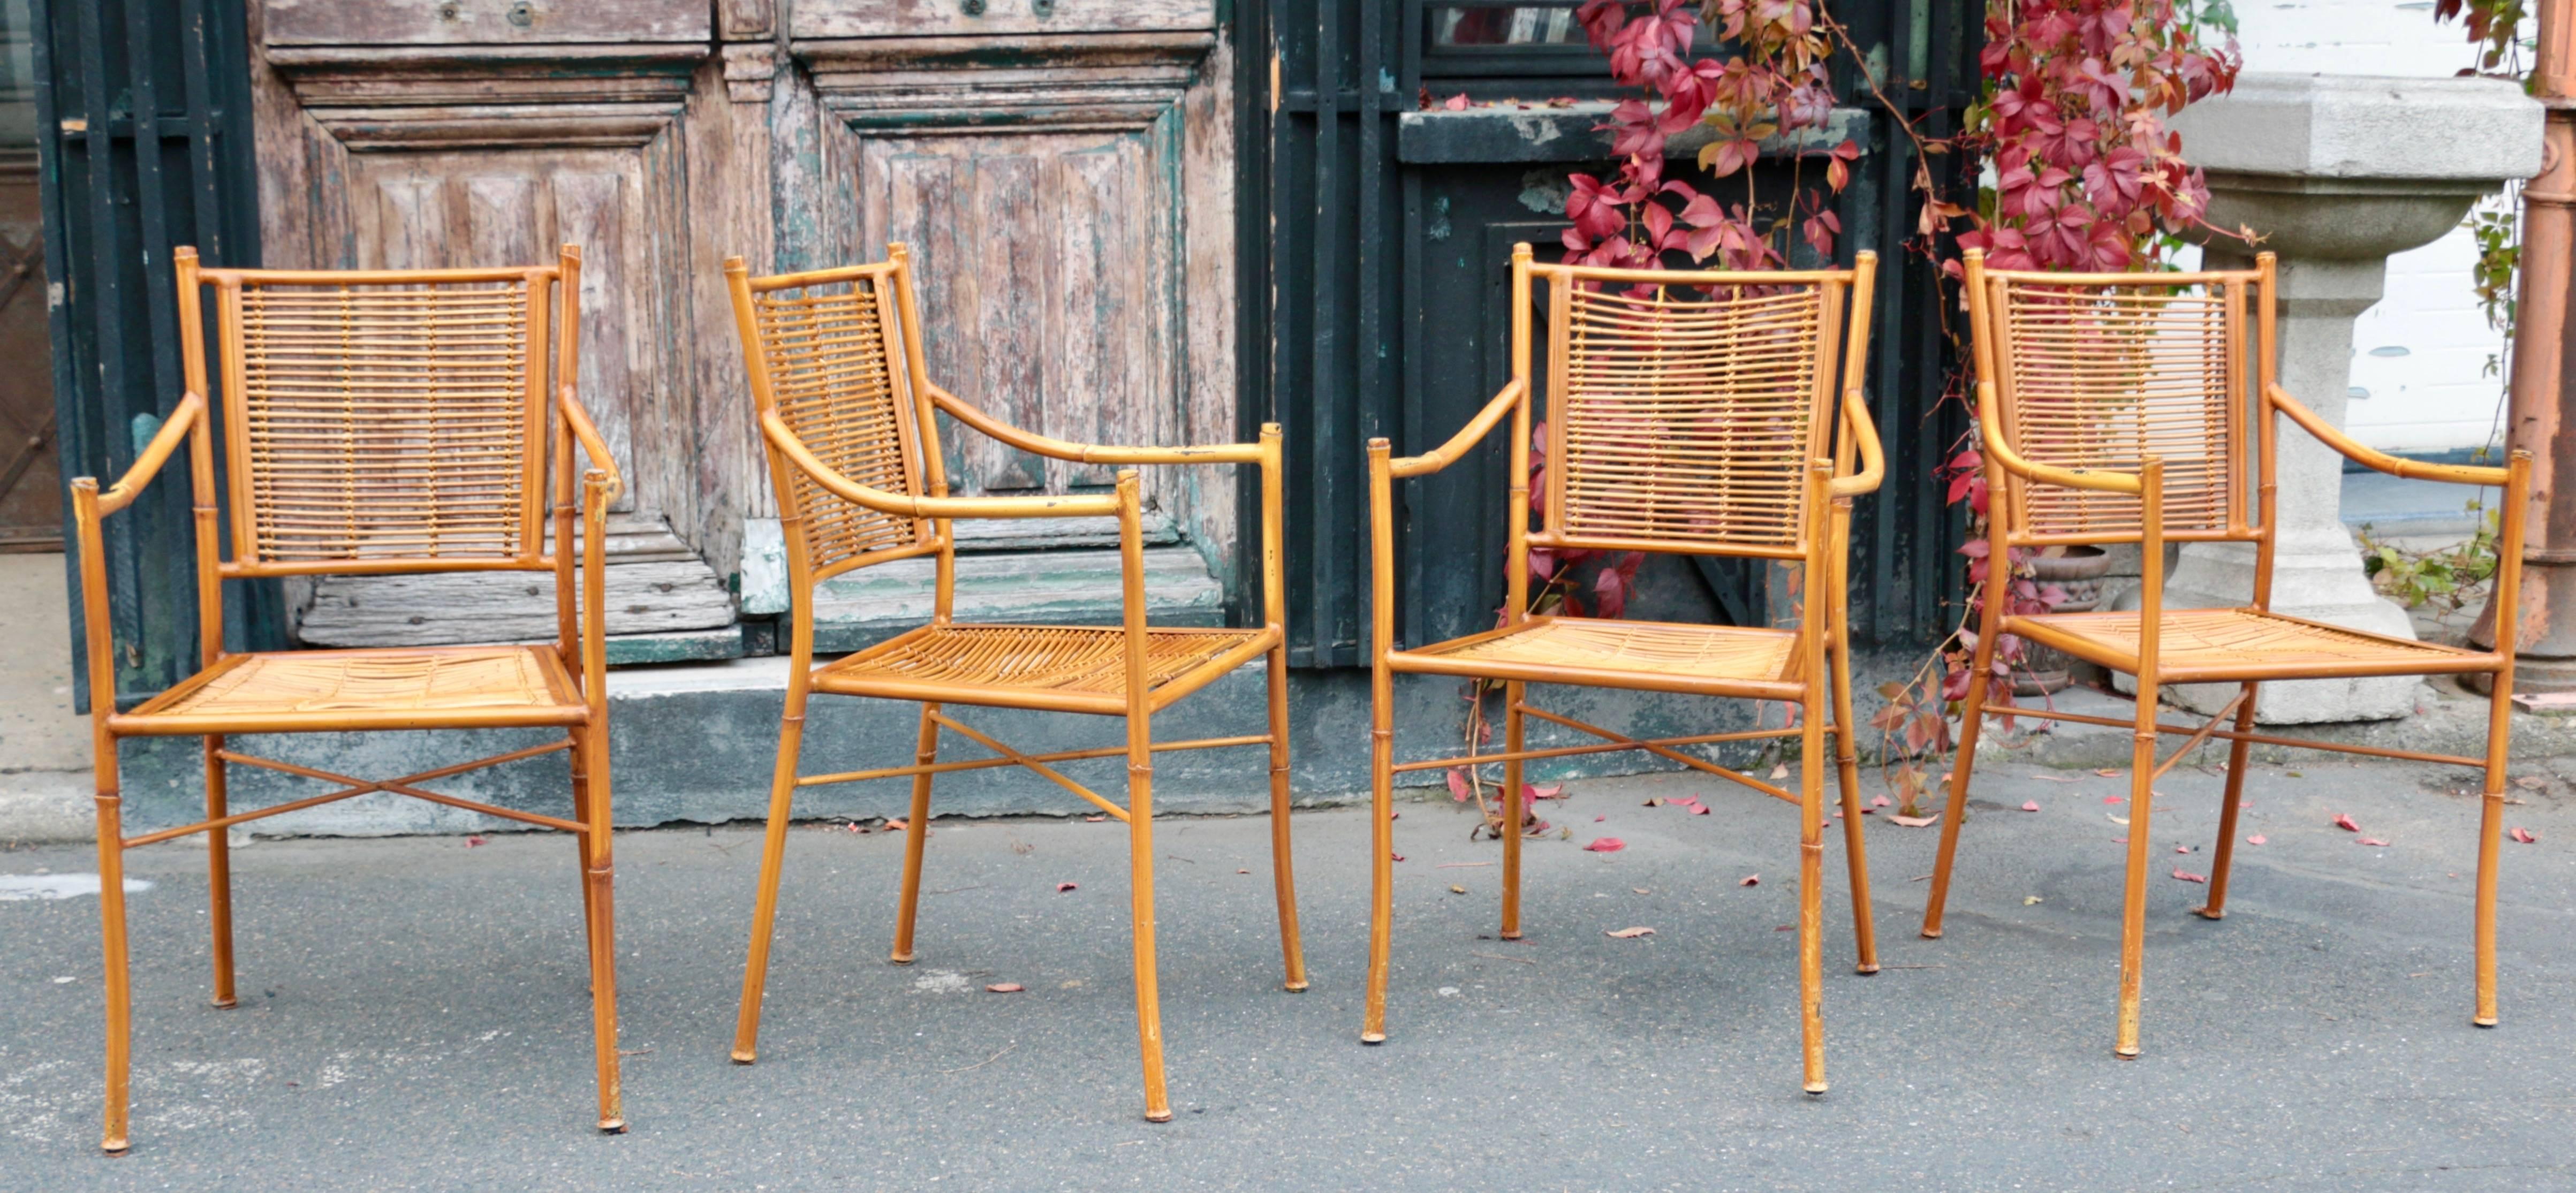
(2420, 358)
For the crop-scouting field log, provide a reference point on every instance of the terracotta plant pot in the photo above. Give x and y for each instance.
(2078, 570)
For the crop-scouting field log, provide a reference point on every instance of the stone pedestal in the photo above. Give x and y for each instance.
(2334, 173)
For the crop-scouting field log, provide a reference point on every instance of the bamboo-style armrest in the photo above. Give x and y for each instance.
(1088, 453)
(2370, 457)
(901, 505)
(1468, 436)
(2046, 474)
(587, 433)
(190, 410)
(1873, 458)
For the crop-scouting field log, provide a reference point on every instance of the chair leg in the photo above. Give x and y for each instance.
(600, 909)
(1972, 717)
(2491, 845)
(1513, 809)
(219, 873)
(773, 855)
(111, 910)
(1381, 858)
(2223, 856)
(580, 756)
(1855, 836)
(1282, 858)
(916, 832)
(1140, 863)
(2133, 904)
(1811, 898)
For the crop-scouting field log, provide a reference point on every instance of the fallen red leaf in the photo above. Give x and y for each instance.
(1784, 927)
(1654, 801)
(471, 842)
(1913, 821)
(2256, 839)
(1702, 810)
(1062, 887)
(895, 824)
(2526, 836)
(2188, 876)
(2182, 849)
(1397, 856)
(1599, 819)
(2030, 805)
(1749, 880)
(1629, 933)
(2344, 821)
(1005, 988)
(2107, 773)
(1601, 845)
(1532, 791)
(1094, 819)
(1880, 801)
(2374, 842)
(1456, 103)
(2112, 799)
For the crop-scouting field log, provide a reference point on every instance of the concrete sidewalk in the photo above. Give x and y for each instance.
(413, 1014)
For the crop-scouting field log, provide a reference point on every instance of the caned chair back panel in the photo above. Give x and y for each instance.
(2101, 375)
(831, 346)
(388, 421)
(1685, 419)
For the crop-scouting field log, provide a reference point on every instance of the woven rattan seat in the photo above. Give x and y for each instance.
(1658, 655)
(1023, 665)
(416, 688)
(2202, 645)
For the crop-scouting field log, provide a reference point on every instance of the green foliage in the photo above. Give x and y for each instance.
(2450, 576)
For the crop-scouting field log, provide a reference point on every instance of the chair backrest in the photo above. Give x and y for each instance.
(1685, 408)
(381, 420)
(2101, 371)
(822, 351)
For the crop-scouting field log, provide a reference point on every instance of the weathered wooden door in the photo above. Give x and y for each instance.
(31, 488)
(429, 133)
(1062, 171)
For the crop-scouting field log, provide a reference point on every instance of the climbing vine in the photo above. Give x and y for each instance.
(2078, 171)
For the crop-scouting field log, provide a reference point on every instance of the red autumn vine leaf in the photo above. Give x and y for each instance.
(1606, 845)
(2525, 836)
(2344, 821)
(2188, 876)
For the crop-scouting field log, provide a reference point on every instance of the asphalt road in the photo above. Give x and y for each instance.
(413, 1012)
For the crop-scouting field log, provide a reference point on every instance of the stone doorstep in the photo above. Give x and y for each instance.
(696, 743)
(2448, 720)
